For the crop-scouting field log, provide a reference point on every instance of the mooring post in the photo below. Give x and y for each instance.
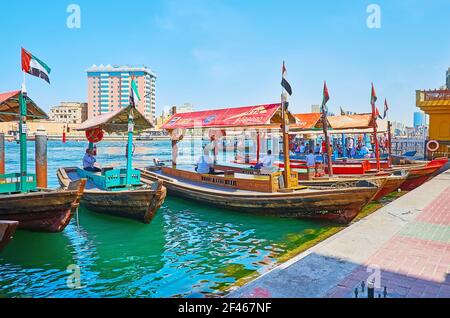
(2, 153)
(41, 158)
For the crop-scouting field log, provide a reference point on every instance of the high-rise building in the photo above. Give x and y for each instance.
(448, 78)
(419, 119)
(69, 113)
(109, 89)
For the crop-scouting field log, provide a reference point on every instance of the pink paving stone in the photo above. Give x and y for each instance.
(438, 211)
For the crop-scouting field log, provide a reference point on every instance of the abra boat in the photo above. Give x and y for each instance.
(115, 191)
(261, 194)
(7, 229)
(35, 209)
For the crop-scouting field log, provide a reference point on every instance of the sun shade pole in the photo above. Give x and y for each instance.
(23, 138)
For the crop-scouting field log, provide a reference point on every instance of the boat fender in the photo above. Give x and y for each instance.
(432, 143)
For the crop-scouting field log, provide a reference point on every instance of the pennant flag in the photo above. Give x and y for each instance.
(326, 97)
(284, 83)
(343, 112)
(386, 108)
(373, 98)
(134, 95)
(34, 66)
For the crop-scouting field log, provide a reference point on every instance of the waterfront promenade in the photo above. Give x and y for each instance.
(407, 242)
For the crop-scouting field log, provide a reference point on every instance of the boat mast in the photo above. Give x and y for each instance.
(389, 127)
(325, 129)
(23, 137)
(130, 147)
(285, 128)
(375, 128)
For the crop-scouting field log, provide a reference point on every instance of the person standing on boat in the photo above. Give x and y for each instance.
(204, 163)
(89, 161)
(311, 162)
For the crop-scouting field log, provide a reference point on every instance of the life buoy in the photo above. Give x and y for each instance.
(94, 135)
(430, 143)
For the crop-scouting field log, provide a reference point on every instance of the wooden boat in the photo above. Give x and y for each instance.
(140, 203)
(7, 229)
(117, 191)
(42, 210)
(418, 175)
(261, 195)
(21, 200)
(388, 182)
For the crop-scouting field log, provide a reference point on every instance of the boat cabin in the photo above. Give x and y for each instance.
(17, 106)
(128, 120)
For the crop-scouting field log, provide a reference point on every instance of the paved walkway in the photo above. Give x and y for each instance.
(403, 247)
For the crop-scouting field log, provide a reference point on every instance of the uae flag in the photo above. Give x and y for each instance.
(284, 81)
(386, 108)
(373, 98)
(134, 94)
(326, 98)
(34, 66)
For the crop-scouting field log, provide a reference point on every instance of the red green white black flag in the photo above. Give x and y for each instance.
(34, 66)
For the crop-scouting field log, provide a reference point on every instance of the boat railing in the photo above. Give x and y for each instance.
(10, 183)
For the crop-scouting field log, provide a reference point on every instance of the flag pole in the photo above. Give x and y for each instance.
(287, 163)
(325, 131)
(23, 136)
(375, 128)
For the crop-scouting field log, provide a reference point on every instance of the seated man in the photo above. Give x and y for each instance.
(364, 151)
(266, 161)
(89, 161)
(204, 163)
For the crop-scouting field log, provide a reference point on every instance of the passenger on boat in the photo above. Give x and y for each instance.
(89, 161)
(364, 151)
(204, 163)
(317, 149)
(266, 162)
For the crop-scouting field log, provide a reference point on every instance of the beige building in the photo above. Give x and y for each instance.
(69, 113)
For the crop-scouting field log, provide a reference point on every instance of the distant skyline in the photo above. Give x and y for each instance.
(228, 53)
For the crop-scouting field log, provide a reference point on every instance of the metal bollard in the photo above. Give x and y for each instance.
(41, 158)
(2, 153)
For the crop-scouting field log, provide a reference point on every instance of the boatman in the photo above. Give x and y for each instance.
(311, 163)
(204, 163)
(266, 162)
(89, 161)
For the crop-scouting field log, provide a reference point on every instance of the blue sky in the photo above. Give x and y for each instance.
(228, 53)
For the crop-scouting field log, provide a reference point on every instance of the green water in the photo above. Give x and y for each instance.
(189, 250)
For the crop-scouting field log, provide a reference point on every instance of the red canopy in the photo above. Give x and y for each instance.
(10, 109)
(254, 116)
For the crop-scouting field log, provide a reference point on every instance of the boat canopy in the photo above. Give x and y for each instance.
(308, 121)
(263, 116)
(10, 107)
(345, 124)
(117, 121)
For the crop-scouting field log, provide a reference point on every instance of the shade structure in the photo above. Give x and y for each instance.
(10, 107)
(308, 121)
(348, 124)
(259, 116)
(117, 121)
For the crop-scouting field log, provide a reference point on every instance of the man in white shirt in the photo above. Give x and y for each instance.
(266, 162)
(204, 163)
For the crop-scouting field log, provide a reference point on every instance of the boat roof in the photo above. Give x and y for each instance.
(239, 117)
(117, 121)
(357, 123)
(10, 107)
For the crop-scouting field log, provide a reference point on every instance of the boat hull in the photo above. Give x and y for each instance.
(42, 211)
(337, 205)
(7, 229)
(140, 205)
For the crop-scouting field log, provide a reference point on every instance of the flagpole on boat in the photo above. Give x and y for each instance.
(287, 164)
(23, 135)
(375, 128)
(325, 129)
